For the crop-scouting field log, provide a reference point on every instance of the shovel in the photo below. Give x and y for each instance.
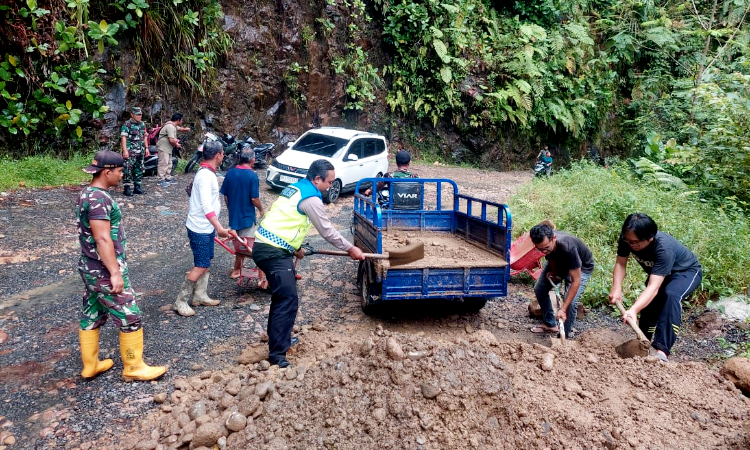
(396, 257)
(633, 347)
(556, 300)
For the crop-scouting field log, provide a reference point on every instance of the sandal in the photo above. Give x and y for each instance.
(234, 276)
(543, 329)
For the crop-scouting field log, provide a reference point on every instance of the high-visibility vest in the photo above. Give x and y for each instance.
(284, 225)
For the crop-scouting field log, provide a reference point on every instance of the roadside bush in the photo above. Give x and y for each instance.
(591, 203)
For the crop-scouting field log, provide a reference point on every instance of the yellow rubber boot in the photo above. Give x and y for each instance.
(92, 367)
(131, 351)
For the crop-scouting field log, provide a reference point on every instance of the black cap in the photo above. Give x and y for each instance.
(403, 158)
(104, 159)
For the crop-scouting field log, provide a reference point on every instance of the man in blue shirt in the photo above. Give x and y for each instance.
(242, 195)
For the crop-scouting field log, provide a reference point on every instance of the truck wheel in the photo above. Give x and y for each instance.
(368, 289)
(474, 304)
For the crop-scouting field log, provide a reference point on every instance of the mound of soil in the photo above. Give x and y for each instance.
(442, 249)
(391, 390)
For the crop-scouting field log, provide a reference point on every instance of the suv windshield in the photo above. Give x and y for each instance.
(319, 144)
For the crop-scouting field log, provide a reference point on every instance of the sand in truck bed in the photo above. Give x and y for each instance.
(441, 250)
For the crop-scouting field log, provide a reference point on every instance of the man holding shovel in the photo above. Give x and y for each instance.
(568, 258)
(278, 241)
(673, 273)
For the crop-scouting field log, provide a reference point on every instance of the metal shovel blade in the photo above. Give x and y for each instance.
(405, 255)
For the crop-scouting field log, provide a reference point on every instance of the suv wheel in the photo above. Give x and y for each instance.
(333, 192)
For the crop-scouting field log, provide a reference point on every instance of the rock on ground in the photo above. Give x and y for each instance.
(737, 370)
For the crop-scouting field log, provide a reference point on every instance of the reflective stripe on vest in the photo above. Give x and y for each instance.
(284, 221)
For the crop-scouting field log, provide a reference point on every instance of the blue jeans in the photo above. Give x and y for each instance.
(542, 288)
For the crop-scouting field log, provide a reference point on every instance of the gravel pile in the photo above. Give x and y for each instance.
(390, 390)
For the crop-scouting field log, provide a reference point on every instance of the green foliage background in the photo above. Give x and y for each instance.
(52, 63)
(664, 83)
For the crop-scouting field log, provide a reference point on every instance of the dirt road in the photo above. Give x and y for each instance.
(459, 381)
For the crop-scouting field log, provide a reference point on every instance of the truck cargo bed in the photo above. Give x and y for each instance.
(466, 242)
(442, 249)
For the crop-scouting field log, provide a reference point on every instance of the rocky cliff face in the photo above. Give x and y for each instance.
(278, 81)
(259, 92)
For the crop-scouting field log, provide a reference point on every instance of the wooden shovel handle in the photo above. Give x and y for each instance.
(342, 253)
(645, 342)
(556, 302)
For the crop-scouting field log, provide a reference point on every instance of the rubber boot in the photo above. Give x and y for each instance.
(200, 297)
(128, 191)
(92, 366)
(186, 293)
(131, 351)
(138, 190)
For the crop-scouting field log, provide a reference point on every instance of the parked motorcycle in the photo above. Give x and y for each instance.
(541, 169)
(228, 142)
(263, 152)
(151, 164)
(232, 147)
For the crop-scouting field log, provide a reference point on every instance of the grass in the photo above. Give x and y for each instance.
(46, 171)
(591, 203)
(43, 171)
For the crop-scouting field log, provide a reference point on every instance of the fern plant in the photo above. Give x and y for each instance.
(653, 173)
(469, 67)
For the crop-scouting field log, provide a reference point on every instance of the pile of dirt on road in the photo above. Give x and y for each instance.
(391, 391)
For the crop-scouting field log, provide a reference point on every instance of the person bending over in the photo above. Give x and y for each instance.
(673, 272)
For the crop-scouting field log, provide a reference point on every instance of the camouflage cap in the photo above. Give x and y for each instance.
(136, 110)
(104, 159)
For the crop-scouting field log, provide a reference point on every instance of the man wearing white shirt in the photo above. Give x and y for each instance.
(202, 224)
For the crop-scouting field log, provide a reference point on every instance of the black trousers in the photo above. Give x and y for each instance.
(284, 305)
(663, 316)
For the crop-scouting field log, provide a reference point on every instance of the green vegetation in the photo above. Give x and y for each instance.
(466, 64)
(346, 21)
(47, 170)
(51, 84)
(730, 349)
(43, 171)
(668, 81)
(591, 203)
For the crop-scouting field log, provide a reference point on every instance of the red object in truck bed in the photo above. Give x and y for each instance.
(524, 257)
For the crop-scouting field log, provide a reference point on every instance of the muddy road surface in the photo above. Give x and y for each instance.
(421, 376)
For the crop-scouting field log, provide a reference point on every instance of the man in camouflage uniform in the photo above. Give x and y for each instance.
(134, 149)
(104, 269)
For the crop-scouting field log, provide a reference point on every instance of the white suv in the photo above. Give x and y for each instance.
(354, 154)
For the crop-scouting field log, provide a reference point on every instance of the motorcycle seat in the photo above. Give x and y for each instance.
(262, 147)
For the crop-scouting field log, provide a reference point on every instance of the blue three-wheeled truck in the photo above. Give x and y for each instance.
(466, 239)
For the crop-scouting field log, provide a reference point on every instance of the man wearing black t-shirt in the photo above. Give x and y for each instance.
(673, 273)
(568, 258)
